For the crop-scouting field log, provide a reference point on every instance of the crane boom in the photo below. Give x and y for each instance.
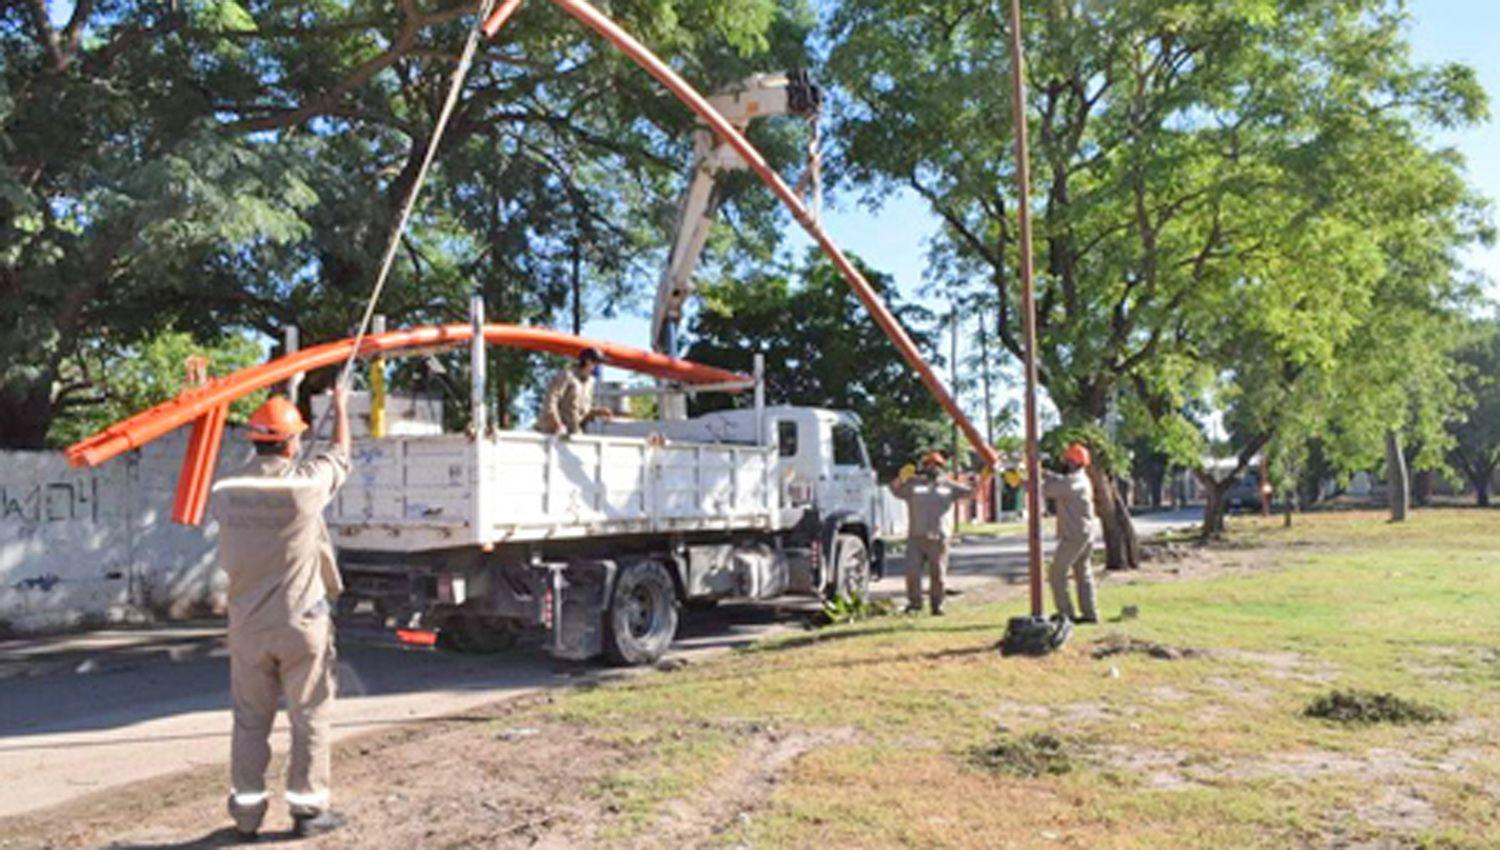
(759, 96)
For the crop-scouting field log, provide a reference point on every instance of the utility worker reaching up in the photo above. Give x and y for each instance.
(282, 581)
(568, 405)
(929, 498)
(1074, 495)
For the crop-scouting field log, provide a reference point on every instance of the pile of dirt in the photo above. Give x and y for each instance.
(1037, 754)
(1118, 644)
(1355, 707)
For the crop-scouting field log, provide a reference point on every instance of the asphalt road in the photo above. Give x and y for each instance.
(84, 713)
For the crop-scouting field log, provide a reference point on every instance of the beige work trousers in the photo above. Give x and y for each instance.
(1072, 555)
(929, 554)
(295, 662)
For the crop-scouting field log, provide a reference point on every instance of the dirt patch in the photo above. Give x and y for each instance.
(1285, 665)
(1029, 756)
(502, 777)
(1118, 644)
(1159, 769)
(731, 800)
(1355, 707)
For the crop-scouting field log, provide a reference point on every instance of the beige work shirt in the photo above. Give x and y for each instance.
(929, 503)
(273, 542)
(1074, 496)
(567, 404)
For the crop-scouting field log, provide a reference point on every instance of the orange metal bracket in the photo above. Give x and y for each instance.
(198, 466)
(207, 406)
(600, 23)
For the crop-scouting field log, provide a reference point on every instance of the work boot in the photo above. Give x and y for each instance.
(309, 825)
(247, 818)
(913, 607)
(937, 610)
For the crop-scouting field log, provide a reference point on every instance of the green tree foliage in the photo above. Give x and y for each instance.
(821, 350)
(1215, 181)
(126, 382)
(215, 164)
(1475, 450)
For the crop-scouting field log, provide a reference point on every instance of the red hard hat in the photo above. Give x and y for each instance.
(276, 421)
(1077, 454)
(934, 459)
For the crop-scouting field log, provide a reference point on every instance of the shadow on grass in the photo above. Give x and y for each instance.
(652, 684)
(833, 635)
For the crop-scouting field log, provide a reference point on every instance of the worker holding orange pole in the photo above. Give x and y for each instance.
(1073, 495)
(282, 582)
(929, 496)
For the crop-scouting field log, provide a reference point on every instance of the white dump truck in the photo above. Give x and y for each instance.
(601, 537)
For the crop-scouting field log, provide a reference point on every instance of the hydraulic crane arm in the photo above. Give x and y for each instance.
(760, 96)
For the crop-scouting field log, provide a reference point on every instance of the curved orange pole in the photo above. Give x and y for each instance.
(600, 23)
(150, 424)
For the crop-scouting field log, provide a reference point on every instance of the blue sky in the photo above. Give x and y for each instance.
(894, 238)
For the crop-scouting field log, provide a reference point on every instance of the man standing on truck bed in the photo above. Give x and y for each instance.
(568, 405)
(929, 498)
(282, 578)
(1074, 496)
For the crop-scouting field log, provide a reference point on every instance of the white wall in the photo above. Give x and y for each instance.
(90, 546)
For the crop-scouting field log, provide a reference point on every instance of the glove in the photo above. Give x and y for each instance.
(906, 472)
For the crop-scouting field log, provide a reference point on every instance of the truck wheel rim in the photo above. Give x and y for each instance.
(640, 613)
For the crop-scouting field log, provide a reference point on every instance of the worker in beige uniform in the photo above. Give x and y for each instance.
(282, 581)
(569, 402)
(929, 498)
(1073, 495)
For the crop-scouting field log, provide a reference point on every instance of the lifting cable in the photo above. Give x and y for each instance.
(409, 203)
(465, 60)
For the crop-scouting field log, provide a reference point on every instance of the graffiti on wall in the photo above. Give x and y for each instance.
(50, 502)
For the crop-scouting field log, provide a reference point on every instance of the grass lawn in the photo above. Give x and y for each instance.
(905, 731)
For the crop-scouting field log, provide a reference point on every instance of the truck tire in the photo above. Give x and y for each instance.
(851, 568)
(642, 618)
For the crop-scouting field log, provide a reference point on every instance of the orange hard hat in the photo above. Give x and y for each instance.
(276, 421)
(1077, 454)
(934, 459)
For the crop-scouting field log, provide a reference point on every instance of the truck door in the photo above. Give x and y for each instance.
(850, 481)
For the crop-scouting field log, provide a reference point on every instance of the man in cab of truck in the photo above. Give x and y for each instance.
(569, 403)
(929, 497)
(276, 550)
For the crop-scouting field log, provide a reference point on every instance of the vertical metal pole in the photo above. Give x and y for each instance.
(377, 383)
(291, 342)
(1028, 310)
(760, 399)
(953, 382)
(477, 382)
(1265, 482)
(993, 491)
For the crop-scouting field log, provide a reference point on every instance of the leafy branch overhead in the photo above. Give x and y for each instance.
(1238, 204)
(215, 165)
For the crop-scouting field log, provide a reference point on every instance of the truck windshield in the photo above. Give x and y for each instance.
(847, 450)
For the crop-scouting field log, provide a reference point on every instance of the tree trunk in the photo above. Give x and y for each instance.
(1422, 484)
(1122, 550)
(26, 414)
(1154, 488)
(1482, 492)
(1216, 506)
(1397, 482)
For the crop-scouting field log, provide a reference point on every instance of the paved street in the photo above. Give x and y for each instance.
(155, 702)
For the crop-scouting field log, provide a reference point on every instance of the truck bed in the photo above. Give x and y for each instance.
(409, 494)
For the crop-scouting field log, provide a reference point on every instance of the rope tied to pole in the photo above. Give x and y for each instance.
(409, 203)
